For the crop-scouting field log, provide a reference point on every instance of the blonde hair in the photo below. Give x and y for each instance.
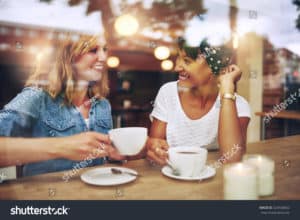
(62, 76)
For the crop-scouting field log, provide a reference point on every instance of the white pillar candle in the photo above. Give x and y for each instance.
(240, 182)
(265, 167)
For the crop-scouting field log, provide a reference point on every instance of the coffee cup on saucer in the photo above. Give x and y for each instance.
(188, 161)
(129, 140)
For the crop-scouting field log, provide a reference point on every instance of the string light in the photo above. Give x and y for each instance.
(162, 52)
(167, 65)
(113, 62)
(126, 25)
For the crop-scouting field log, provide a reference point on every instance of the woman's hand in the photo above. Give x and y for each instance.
(114, 154)
(229, 77)
(157, 150)
(87, 144)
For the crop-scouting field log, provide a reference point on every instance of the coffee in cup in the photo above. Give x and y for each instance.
(188, 161)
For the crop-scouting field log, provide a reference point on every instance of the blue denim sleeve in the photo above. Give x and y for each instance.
(18, 116)
(108, 114)
(107, 103)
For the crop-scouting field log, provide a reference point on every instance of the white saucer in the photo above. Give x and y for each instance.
(207, 172)
(104, 177)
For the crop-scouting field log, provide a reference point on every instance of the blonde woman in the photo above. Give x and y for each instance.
(61, 104)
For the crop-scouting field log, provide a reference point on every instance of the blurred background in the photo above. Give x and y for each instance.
(142, 38)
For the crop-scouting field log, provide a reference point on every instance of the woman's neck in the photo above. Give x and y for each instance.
(80, 93)
(205, 92)
(202, 95)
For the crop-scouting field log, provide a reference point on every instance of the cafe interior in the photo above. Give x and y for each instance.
(142, 41)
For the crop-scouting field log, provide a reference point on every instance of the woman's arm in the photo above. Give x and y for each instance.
(18, 151)
(157, 145)
(232, 132)
(232, 129)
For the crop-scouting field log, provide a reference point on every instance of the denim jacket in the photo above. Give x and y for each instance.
(33, 113)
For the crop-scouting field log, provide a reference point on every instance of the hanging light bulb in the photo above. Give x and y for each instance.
(113, 62)
(167, 65)
(126, 25)
(162, 53)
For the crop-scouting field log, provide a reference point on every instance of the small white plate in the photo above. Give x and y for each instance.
(104, 177)
(207, 172)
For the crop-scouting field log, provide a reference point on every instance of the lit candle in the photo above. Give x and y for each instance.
(265, 167)
(240, 182)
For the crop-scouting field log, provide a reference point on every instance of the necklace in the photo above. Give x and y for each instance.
(88, 102)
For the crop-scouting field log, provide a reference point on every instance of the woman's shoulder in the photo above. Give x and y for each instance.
(27, 97)
(103, 103)
(241, 99)
(168, 88)
(243, 106)
(32, 91)
(28, 101)
(169, 85)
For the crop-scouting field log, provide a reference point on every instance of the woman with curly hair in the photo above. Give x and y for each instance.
(201, 109)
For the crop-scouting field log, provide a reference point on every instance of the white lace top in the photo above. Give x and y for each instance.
(183, 131)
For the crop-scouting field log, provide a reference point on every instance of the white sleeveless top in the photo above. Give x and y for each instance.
(183, 131)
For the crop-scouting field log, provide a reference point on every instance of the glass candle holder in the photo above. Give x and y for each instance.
(265, 171)
(240, 182)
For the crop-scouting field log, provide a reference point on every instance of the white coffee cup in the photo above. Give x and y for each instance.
(188, 161)
(128, 140)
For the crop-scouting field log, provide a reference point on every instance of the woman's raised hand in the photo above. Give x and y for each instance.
(231, 74)
(229, 77)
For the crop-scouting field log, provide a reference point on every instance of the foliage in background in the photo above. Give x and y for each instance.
(167, 16)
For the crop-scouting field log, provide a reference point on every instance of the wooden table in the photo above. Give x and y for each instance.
(153, 185)
(281, 115)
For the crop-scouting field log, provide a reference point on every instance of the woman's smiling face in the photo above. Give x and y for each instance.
(192, 73)
(92, 64)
